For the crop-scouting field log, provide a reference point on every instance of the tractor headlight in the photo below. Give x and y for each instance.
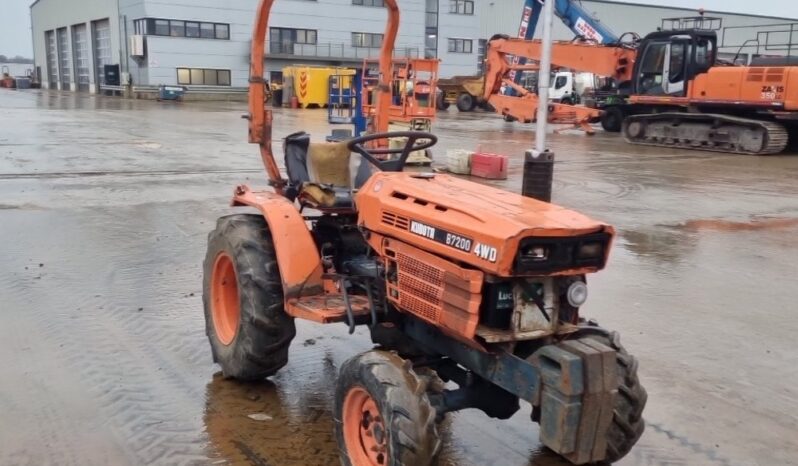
(591, 250)
(535, 253)
(577, 293)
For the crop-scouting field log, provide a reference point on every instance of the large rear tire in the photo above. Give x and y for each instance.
(466, 102)
(627, 422)
(245, 321)
(441, 103)
(383, 416)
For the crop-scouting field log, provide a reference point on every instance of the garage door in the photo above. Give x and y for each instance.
(102, 47)
(52, 59)
(80, 49)
(64, 60)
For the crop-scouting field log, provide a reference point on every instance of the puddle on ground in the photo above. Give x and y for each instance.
(755, 224)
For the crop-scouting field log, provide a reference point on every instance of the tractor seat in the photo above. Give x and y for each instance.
(318, 173)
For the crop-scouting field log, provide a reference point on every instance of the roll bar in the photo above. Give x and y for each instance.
(260, 118)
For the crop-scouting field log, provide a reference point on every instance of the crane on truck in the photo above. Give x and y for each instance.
(676, 93)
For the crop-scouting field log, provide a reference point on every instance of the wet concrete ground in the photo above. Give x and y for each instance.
(105, 205)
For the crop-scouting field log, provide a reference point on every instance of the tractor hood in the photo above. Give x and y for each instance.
(500, 232)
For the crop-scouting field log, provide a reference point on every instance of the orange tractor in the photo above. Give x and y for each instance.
(457, 282)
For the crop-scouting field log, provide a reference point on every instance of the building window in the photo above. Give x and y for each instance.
(282, 40)
(431, 29)
(192, 29)
(380, 3)
(222, 31)
(177, 28)
(203, 77)
(460, 45)
(461, 7)
(482, 47)
(366, 39)
(161, 28)
(207, 31)
(180, 28)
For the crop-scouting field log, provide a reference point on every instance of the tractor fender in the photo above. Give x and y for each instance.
(297, 256)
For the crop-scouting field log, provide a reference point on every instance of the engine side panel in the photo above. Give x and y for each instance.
(751, 85)
(433, 289)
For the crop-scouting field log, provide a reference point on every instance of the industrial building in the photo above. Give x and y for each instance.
(205, 44)
(747, 34)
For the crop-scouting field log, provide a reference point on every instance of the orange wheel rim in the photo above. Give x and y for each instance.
(224, 299)
(365, 437)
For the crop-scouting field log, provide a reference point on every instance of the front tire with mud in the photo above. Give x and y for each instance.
(245, 320)
(383, 416)
(627, 422)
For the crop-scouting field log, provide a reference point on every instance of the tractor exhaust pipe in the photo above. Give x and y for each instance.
(539, 163)
(538, 175)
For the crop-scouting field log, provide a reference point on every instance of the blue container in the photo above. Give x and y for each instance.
(23, 83)
(171, 92)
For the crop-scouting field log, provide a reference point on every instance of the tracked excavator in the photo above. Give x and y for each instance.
(675, 92)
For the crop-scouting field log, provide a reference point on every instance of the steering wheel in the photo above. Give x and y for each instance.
(391, 164)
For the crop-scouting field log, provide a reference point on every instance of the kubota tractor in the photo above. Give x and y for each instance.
(458, 282)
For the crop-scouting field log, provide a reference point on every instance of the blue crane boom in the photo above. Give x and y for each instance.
(575, 18)
(572, 15)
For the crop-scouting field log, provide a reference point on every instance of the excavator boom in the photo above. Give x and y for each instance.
(616, 61)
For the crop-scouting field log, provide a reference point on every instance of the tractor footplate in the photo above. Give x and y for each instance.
(327, 308)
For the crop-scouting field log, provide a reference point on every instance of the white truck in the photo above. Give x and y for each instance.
(568, 87)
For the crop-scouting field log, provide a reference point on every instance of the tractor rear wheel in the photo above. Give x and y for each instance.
(627, 423)
(245, 321)
(383, 416)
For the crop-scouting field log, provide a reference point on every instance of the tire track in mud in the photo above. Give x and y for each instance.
(37, 406)
(139, 373)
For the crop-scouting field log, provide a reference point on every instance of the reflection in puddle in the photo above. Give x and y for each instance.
(297, 427)
(299, 432)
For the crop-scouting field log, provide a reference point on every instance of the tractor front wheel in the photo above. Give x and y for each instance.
(383, 416)
(627, 423)
(245, 321)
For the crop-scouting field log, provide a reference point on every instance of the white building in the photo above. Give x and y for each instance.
(206, 43)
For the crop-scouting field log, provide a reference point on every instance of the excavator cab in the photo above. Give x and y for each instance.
(668, 60)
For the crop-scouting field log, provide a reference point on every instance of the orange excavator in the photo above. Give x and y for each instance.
(675, 91)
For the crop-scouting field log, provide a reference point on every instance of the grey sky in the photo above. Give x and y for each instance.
(15, 38)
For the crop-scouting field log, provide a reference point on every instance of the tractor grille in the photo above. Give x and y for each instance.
(433, 288)
(395, 220)
(420, 287)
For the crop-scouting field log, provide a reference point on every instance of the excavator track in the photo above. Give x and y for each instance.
(704, 131)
